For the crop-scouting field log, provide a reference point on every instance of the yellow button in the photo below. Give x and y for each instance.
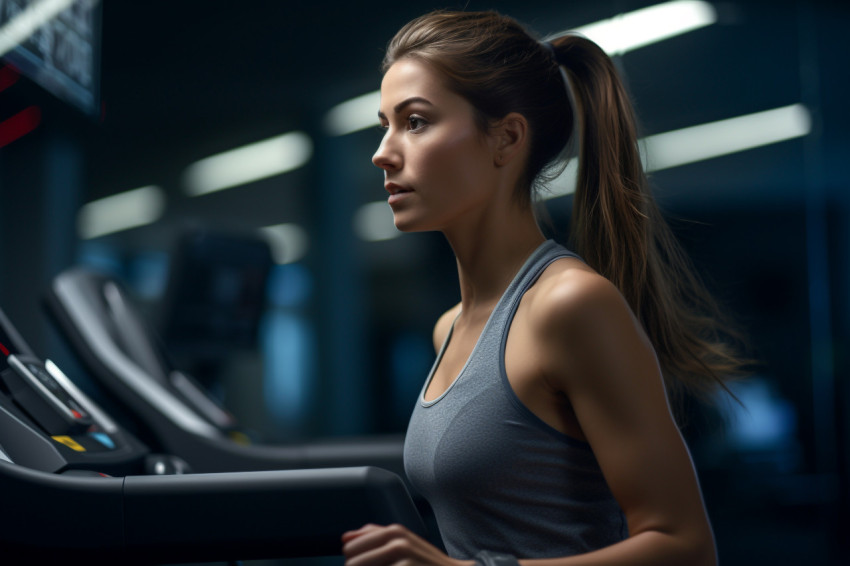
(69, 442)
(239, 437)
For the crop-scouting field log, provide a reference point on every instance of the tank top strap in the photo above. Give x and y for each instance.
(537, 262)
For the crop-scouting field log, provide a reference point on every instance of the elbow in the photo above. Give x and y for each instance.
(700, 548)
(691, 547)
(706, 553)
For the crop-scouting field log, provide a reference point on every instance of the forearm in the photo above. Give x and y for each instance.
(649, 548)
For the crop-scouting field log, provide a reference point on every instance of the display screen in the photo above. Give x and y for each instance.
(216, 294)
(56, 43)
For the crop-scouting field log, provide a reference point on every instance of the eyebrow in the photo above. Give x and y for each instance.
(406, 102)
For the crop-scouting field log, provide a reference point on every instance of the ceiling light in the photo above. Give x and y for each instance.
(249, 163)
(706, 141)
(714, 139)
(373, 222)
(632, 30)
(119, 212)
(353, 115)
(288, 242)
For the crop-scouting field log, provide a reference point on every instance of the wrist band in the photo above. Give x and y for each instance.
(487, 558)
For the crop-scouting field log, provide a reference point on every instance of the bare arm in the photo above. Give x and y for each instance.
(593, 349)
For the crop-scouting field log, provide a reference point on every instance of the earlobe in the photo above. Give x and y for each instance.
(511, 136)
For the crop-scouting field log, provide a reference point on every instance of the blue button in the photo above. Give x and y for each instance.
(104, 439)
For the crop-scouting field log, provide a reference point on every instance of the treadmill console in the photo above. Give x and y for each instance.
(48, 424)
(78, 489)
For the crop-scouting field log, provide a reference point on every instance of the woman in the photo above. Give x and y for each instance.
(544, 430)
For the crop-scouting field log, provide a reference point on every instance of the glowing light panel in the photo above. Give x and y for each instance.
(249, 163)
(353, 115)
(289, 242)
(373, 222)
(120, 212)
(714, 139)
(632, 30)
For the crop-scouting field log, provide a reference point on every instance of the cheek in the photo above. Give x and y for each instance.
(455, 158)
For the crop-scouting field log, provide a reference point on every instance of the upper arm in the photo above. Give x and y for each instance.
(594, 350)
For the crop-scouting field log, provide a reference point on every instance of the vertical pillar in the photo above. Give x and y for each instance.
(340, 300)
(41, 178)
(817, 254)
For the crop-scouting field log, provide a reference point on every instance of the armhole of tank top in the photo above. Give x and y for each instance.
(532, 417)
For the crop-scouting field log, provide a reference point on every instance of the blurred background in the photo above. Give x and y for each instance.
(161, 141)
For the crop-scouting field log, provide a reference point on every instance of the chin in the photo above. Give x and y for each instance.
(401, 227)
(403, 224)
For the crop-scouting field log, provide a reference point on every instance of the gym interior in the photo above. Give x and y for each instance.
(213, 334)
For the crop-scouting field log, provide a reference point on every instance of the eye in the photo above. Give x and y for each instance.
(416, 123)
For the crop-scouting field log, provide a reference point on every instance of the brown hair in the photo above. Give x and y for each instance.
(493, 62)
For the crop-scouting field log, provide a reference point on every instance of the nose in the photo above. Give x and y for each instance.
(387, 157)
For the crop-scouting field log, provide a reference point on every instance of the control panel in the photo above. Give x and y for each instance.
(47, 423)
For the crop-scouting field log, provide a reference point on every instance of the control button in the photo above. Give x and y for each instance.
(104, 439)
(162, 464)
(69, 442)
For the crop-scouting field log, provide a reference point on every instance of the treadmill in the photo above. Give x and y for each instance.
(97, 316)
(77, 488)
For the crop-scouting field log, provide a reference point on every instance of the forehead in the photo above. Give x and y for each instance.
(412, 78)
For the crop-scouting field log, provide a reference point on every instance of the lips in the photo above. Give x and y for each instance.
(397, 192)
(395, 189)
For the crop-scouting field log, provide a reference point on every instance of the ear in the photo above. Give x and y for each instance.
(509, 137)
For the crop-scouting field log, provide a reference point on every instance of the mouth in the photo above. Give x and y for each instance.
(395, 189)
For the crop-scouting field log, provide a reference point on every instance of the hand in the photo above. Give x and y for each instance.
(375, 545)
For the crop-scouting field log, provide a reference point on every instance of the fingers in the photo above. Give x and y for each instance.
(369, 537)
(374, 545)
(350, 535)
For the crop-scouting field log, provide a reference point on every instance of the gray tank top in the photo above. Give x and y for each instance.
(496, 475)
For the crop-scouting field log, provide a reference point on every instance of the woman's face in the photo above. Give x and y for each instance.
(438, 166)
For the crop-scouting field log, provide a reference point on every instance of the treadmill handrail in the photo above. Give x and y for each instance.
(77, 304)
(196, 517)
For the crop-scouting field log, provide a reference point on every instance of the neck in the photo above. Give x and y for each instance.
(489, 253)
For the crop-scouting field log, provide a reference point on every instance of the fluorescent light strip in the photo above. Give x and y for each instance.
(120, 212)
(289, 242)
(616, 36)
(373, 222)
(353, 115)
(18, 29)
(706, 141)
(249, 163)
(633, 30)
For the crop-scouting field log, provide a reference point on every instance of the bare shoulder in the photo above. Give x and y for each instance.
(444, 323)
(569, 296)
(583, 327)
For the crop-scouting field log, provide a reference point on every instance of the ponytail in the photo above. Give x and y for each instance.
(619, 231)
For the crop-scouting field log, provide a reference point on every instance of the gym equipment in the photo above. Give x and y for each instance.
(74, 489)
(98, 318)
